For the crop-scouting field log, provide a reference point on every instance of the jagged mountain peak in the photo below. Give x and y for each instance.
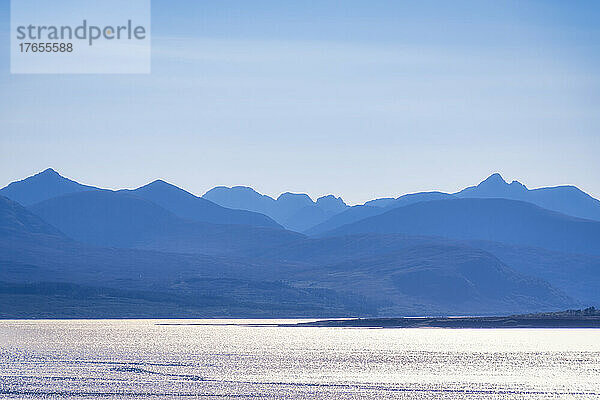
(330, 197)
(497, 181)
(331, 204)
(495, 178)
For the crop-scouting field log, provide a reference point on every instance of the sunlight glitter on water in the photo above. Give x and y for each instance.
(115, 359)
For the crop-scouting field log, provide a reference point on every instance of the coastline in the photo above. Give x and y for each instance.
(514, 321)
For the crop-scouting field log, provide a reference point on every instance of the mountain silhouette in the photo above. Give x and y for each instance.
(568, 200)
(188, 206)
(158, 250)
(331, 204)
(17, 222)
(49, 184)
(121, 219)
(577, 275)
(352, 214)
(372, 208)
(314, 213)
(42, 186)
(497, 220)
(242, 198)
(295, 211)
(47, 275)
(416, 274)
(380, 203)
(66, 278)
(565, 199)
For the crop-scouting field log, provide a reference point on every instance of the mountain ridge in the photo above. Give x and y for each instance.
(122, 219)
(295, 211)
(492, 219)
(77, 276)
(186, 205)
(565, 199)
(421, 253)
(41, 186)
(49, 184)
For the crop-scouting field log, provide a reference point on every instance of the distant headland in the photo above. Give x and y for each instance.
(587, 318)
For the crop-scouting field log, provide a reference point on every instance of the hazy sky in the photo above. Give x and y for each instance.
(362, 99)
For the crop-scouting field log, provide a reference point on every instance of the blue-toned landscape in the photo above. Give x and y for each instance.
(282, 199)
(78, 251)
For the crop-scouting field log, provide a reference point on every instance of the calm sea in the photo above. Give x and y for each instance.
(145, 359)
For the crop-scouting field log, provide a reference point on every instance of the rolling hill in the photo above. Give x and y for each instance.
(409, 275)
(567, 200)
(47, 274)
(158, 250)
(44, 274)
(120, 219)
(496, 220)
(372, 208)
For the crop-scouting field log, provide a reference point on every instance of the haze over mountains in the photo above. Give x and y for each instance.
(293, 210)
(46, 274)
(77, 250)
(497, 220)
(49, 184)
(186, 205)
(42, 186)
(568, 200)
(564, 199)
(120, 219)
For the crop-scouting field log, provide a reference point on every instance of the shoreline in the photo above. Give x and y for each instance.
(524, 321)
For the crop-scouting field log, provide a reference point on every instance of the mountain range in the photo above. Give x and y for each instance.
(567, 200)
(295, 211)
(563, 199)
(77, 250)
(120, 219)
(497, 220)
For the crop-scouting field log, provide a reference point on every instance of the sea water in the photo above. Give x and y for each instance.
(233, 359)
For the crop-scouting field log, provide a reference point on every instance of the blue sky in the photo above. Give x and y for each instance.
(360, 99)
